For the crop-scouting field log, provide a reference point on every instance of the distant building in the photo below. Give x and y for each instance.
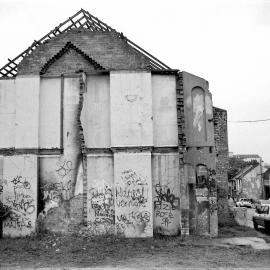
(248, 183)
(249, 157)
(266, 183)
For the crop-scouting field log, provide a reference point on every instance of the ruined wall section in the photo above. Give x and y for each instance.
(184, 199)
(222, 163)
(199, 184)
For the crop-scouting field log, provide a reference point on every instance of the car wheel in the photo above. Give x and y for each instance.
(255, 225)
(267, 226)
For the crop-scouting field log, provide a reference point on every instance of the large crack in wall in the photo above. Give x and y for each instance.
(64, 178)
(83, 90)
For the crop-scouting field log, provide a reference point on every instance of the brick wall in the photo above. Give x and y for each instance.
(105, 48)
(222, 162)
(70, 62)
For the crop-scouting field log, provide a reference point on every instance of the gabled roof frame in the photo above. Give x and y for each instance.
(80, 19)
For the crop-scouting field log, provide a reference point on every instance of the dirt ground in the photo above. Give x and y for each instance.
(51, 250)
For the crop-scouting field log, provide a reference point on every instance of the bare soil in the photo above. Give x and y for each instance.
(52, 250)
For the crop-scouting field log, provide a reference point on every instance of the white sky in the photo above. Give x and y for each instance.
(227, 42)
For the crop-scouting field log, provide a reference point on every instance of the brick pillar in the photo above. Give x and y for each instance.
(222, 163)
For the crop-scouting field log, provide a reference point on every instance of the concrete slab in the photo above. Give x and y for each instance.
(20, 194)
(100, 194)
(131, 109)
(166, 193)
(133, 194)
(255, 242)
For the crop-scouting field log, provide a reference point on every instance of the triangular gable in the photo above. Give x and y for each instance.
(81, 19)
(64, 50)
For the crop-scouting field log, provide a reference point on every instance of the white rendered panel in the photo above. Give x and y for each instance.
(131, 109)
(49, 116)
(27, 112)
(96, 112)
(164, 110)
(7, 113)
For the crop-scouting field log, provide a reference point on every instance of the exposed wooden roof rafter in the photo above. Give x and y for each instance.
(81, 19)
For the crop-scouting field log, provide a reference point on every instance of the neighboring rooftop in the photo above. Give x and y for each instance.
(245, 171)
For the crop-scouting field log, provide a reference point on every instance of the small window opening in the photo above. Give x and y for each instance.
(201, 175)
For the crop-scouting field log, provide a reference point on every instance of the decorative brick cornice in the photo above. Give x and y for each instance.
(64, 50)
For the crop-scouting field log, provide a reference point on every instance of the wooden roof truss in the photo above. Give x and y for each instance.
(81, 19)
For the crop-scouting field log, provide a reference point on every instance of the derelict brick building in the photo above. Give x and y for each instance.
(99, 135)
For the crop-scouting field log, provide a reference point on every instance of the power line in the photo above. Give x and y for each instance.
(250, 121)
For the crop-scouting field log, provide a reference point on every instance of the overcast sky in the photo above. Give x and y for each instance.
(227, 42)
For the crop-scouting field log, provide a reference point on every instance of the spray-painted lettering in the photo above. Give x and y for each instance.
(57, 191)
(101, 209)
(21, 204)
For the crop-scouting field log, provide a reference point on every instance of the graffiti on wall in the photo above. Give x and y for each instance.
(101, 210)
(132, 200)
(21, 204)
(64, 168)
(56, 191)
(62, 189)
(165, 205)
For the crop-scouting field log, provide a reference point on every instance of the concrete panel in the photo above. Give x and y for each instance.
(96, 110)
(7, 113)
(131, 109)
(100, 194)
(166, 193)
(133, 194)
(164, 110)
(49, 115)
(27, 112)
(199, 125)
(20, 194)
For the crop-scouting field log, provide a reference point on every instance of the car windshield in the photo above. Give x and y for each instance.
(264, 209)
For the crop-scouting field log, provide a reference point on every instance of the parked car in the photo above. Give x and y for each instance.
(243, 202)
(262, 217)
